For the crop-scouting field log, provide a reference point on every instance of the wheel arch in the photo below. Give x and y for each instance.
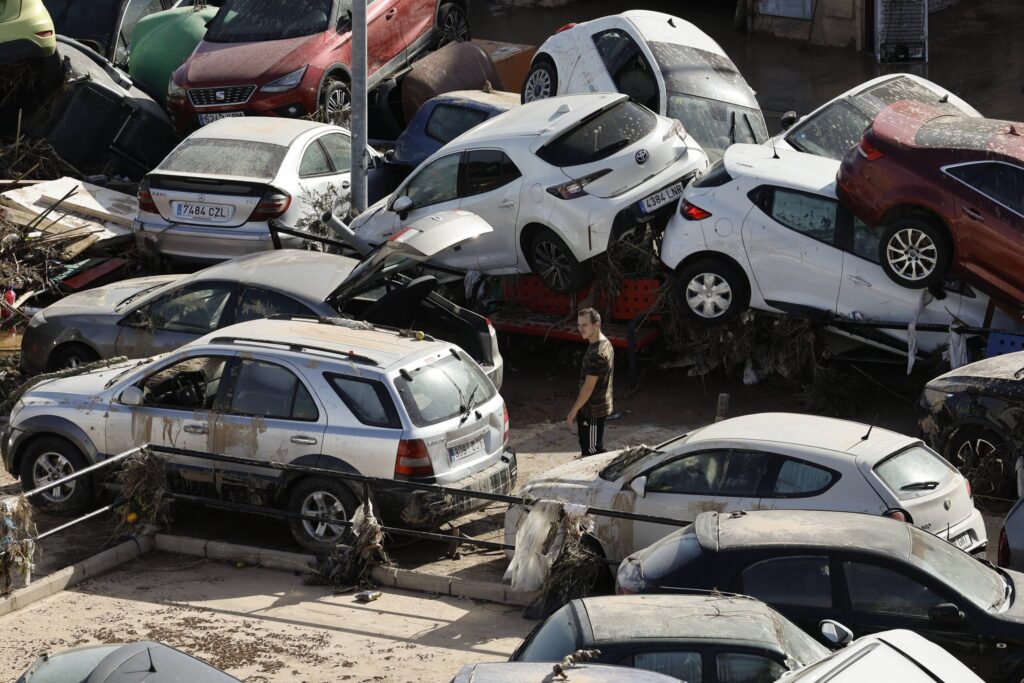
(715, 256)
(42, 426)
(335, 71)
(327, 462)
(68, 343)
(901, 211)
(968, 422)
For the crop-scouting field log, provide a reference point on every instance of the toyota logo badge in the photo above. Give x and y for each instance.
(642, 156)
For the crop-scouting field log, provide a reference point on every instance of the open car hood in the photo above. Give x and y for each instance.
(419, 241)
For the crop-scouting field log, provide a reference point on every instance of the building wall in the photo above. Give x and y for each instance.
(819, 22)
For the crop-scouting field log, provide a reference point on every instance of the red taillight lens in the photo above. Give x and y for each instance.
(574, 188)
(413, 459)
(693, 212)
(505, 419)
(44, 34)
(868, 151)
(568, 26)
(970, 492)
(899, 515)
(273, 205)
(1003, 557)
(146, 202)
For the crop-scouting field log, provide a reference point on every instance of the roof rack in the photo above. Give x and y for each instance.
(351, 324)
(293, 346)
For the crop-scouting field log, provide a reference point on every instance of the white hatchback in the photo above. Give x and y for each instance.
(764, 462)
(558, 180)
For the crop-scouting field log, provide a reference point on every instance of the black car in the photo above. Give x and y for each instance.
(974, 415)
(698, 638)
(867, 572)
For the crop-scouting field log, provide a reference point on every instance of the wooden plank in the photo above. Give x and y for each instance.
(30, 200)
(97, 202)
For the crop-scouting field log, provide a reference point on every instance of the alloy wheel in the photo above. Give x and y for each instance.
(538, 85)
(912, 254)
(50, 467)
(708, 295)
(326, 506)
(455, 28)
(978, 459)
(553, 265)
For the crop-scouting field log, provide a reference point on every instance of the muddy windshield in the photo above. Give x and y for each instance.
(243, 21)
(258, 160)
(716, 125)
(450, 386)
(875, 99)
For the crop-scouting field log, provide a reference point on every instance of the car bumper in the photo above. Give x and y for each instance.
(300, 101)
(429, 509)
(201, 244)
(973, 528)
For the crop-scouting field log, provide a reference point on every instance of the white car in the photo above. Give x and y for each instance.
(211, 198)
(559, 180)
(762, 228)
(765, 461)
(836, 126)
(660, 61)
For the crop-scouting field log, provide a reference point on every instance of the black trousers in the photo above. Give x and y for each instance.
(591, 433)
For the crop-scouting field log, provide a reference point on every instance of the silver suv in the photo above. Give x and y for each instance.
(335, 394)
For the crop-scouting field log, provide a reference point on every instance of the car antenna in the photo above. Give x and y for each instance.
(775, 152)
(944, 98)
(870, 427)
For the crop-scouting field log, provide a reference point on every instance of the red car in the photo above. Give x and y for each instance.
(277, 58)
(948, 192)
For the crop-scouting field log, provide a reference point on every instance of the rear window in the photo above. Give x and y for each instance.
(914, 472)
(882, 95)
(716, 176)
(671, 553)
(443, 389)
(959, 133)
(368, 400)
(448, 122)
(240, 21)
(259, 160)
(552, 640)
(599, 136)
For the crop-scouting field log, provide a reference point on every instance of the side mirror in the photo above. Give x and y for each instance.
(131, 396)
(788, 119)
(835, 633)
(402, 205)
(946, 613)
(639, 486)
(136, 318)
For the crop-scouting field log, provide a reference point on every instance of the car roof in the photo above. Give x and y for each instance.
(310, 275)
(498, 99)
(925, 126)
(821, 529)
(543, 119)
(386, 348)
(781, 166)
(539, 672)
(811, 431)
(272, 130)
(666, 28)
(621, 618)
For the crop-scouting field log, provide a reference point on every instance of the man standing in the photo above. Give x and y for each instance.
(594, 402)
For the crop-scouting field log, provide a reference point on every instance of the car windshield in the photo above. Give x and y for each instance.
(450, 386)
(627, 462)
(243, 21)
(979, 583)
(257, 160)
(877, 98)
(714, 124)
(137, 295)
(92, 20)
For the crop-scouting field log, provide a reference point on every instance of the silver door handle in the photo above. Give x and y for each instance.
(304, 440)
(974, 213)
(859, 280)
(504, 203)
(196, 429)
(345, 184)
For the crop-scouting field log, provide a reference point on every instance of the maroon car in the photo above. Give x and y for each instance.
(949, 192)
(270, 57)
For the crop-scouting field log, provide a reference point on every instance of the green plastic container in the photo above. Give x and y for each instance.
(161, 43)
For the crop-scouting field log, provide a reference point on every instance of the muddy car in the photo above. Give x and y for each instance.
(764, 461)
(334, 393)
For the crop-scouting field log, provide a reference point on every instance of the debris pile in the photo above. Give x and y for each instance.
(17, 547)
(36, 159)
(348, 566)
(141, 482)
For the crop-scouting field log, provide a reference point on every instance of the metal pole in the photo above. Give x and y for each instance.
(359, 97)
(85, 470)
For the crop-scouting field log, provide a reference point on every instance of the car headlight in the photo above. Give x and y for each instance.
(286, 82)
(175, 91)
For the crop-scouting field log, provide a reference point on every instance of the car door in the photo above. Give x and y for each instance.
(319, 179)
(790, 241)
(799, 585)
(719, 479)
(175, 319)
(490, 186)
(384, 39)
(880, 596)
(180, 397)
(417, 21)
(271, 415)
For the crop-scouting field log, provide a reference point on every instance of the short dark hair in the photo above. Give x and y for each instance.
(595, 317)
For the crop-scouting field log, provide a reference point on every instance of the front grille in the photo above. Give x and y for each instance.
(211, 97)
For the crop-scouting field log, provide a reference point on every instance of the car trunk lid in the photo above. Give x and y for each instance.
(199, 199)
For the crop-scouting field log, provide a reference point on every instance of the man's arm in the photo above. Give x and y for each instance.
(585, 391)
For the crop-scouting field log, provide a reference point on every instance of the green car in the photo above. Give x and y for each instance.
(161, 43)
(26, 31)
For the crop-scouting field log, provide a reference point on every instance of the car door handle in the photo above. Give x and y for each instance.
(390, 13)
(345, 184)
(196, 429)
(304, 440)
(505, 203)
(974, 213)
(858, 280)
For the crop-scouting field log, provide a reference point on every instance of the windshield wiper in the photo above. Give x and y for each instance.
(732, 127)
(468, 405)
(613, 147)
(920, 486)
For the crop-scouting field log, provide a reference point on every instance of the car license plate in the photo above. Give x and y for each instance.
(660, 199)
(466, 450)
(963, 541)
(213, 213)
(210, 118)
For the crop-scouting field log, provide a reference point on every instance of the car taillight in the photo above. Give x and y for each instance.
(899, 515)
(505, 420)
(692, 212)
(146, 202)
(44, 34)
(273, 204)
(1003, 557)
(970, 493)
(413, 459)
(574, 188)
(568, 26)
(868, 151)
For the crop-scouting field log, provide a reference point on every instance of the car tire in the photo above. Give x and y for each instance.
(452, 24)
(541, 82)
(48, 459)
(914, 252)
(335, 101)
(711, 291)
(986, 459)
(552, 260)
(71, 356)
(325, 497)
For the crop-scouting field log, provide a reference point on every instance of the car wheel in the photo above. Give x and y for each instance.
(985, 459)
(47, 460)
(453, 24)
(711, 292)
(541, 83)
(554, 263)
(71, 356)
(327, 498)
(913, 252)
(336, 102)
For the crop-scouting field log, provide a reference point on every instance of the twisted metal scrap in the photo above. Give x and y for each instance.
(17, 547)
(348, 566)
(142, 483)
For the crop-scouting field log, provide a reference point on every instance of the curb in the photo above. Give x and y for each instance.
(76, 573)
(232, 552)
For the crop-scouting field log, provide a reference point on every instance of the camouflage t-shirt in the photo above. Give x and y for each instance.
(599, 361)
